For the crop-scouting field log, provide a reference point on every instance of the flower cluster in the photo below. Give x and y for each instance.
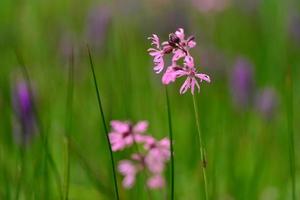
(24, 122)
(180, 47)
(151, 158)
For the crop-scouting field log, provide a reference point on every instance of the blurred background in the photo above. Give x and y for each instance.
(250, 49)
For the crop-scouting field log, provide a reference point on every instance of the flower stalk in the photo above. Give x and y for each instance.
(201, 147)
(171, 143)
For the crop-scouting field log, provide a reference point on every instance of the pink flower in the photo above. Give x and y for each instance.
(191, 80)
(158, 154)
(188, 70)
(129, 171)
(182, 45)
(171, 74)
(177, 44)
(124, 134)
(158, 53)
(156, 181)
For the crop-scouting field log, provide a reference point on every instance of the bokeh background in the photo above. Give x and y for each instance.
(250, 49)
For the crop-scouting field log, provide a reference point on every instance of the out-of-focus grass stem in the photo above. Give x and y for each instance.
(21, 172)
(290, 124)
(171, 143)
(104, 123)
(201, 147)
(45, 146)
(69, 105)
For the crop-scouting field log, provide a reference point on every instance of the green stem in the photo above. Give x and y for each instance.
(45, 146)
(171, 143)
(290, 124)
(202, 150)
(104, 123)
(21, 173)
(69, 105)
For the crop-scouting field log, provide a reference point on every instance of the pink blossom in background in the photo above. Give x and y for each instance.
(129, 171)
(156, 181)
(151, 159)
(124, 134)
(158, 154)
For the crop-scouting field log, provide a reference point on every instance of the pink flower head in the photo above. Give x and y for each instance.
(180, 44)
(156, 181)
(176, 44)
(124, 134)
(158, 53)
(188, 70)
(129, 171)
(158, 154)
(191, 80)
(171, 74)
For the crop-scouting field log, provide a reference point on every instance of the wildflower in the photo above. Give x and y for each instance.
(242, 83)
(177, 44)
(156, 181)
(140, 162)
(211, 6)
(124, 134)
(25, 125)
(98, 21)
(188, 70)
(294, 27)
(158, 52)
(158, 153)
(129, 171)
(266, 102)
(180, 44)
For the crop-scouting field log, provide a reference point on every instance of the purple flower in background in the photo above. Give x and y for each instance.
(214, 62)
(24, 124)
(266, 102)
(248, 6)
(294, 27)
(211, 6)
(242, 83)
(97, 24)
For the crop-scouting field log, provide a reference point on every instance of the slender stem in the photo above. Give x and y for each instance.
(290, 124)
(171, 142)
(45, 146)
(69, 105)
(21, 172)
(104, 123)
(201, 148)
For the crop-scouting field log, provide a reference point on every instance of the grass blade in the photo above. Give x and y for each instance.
(104, 123)
(69, 106)
(290, 125)
(45, 146)
(171, 143)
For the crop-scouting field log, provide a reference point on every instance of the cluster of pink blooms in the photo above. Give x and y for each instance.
(180, 48)
(152, 158)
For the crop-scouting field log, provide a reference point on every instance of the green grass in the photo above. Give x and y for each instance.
(248, 157)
